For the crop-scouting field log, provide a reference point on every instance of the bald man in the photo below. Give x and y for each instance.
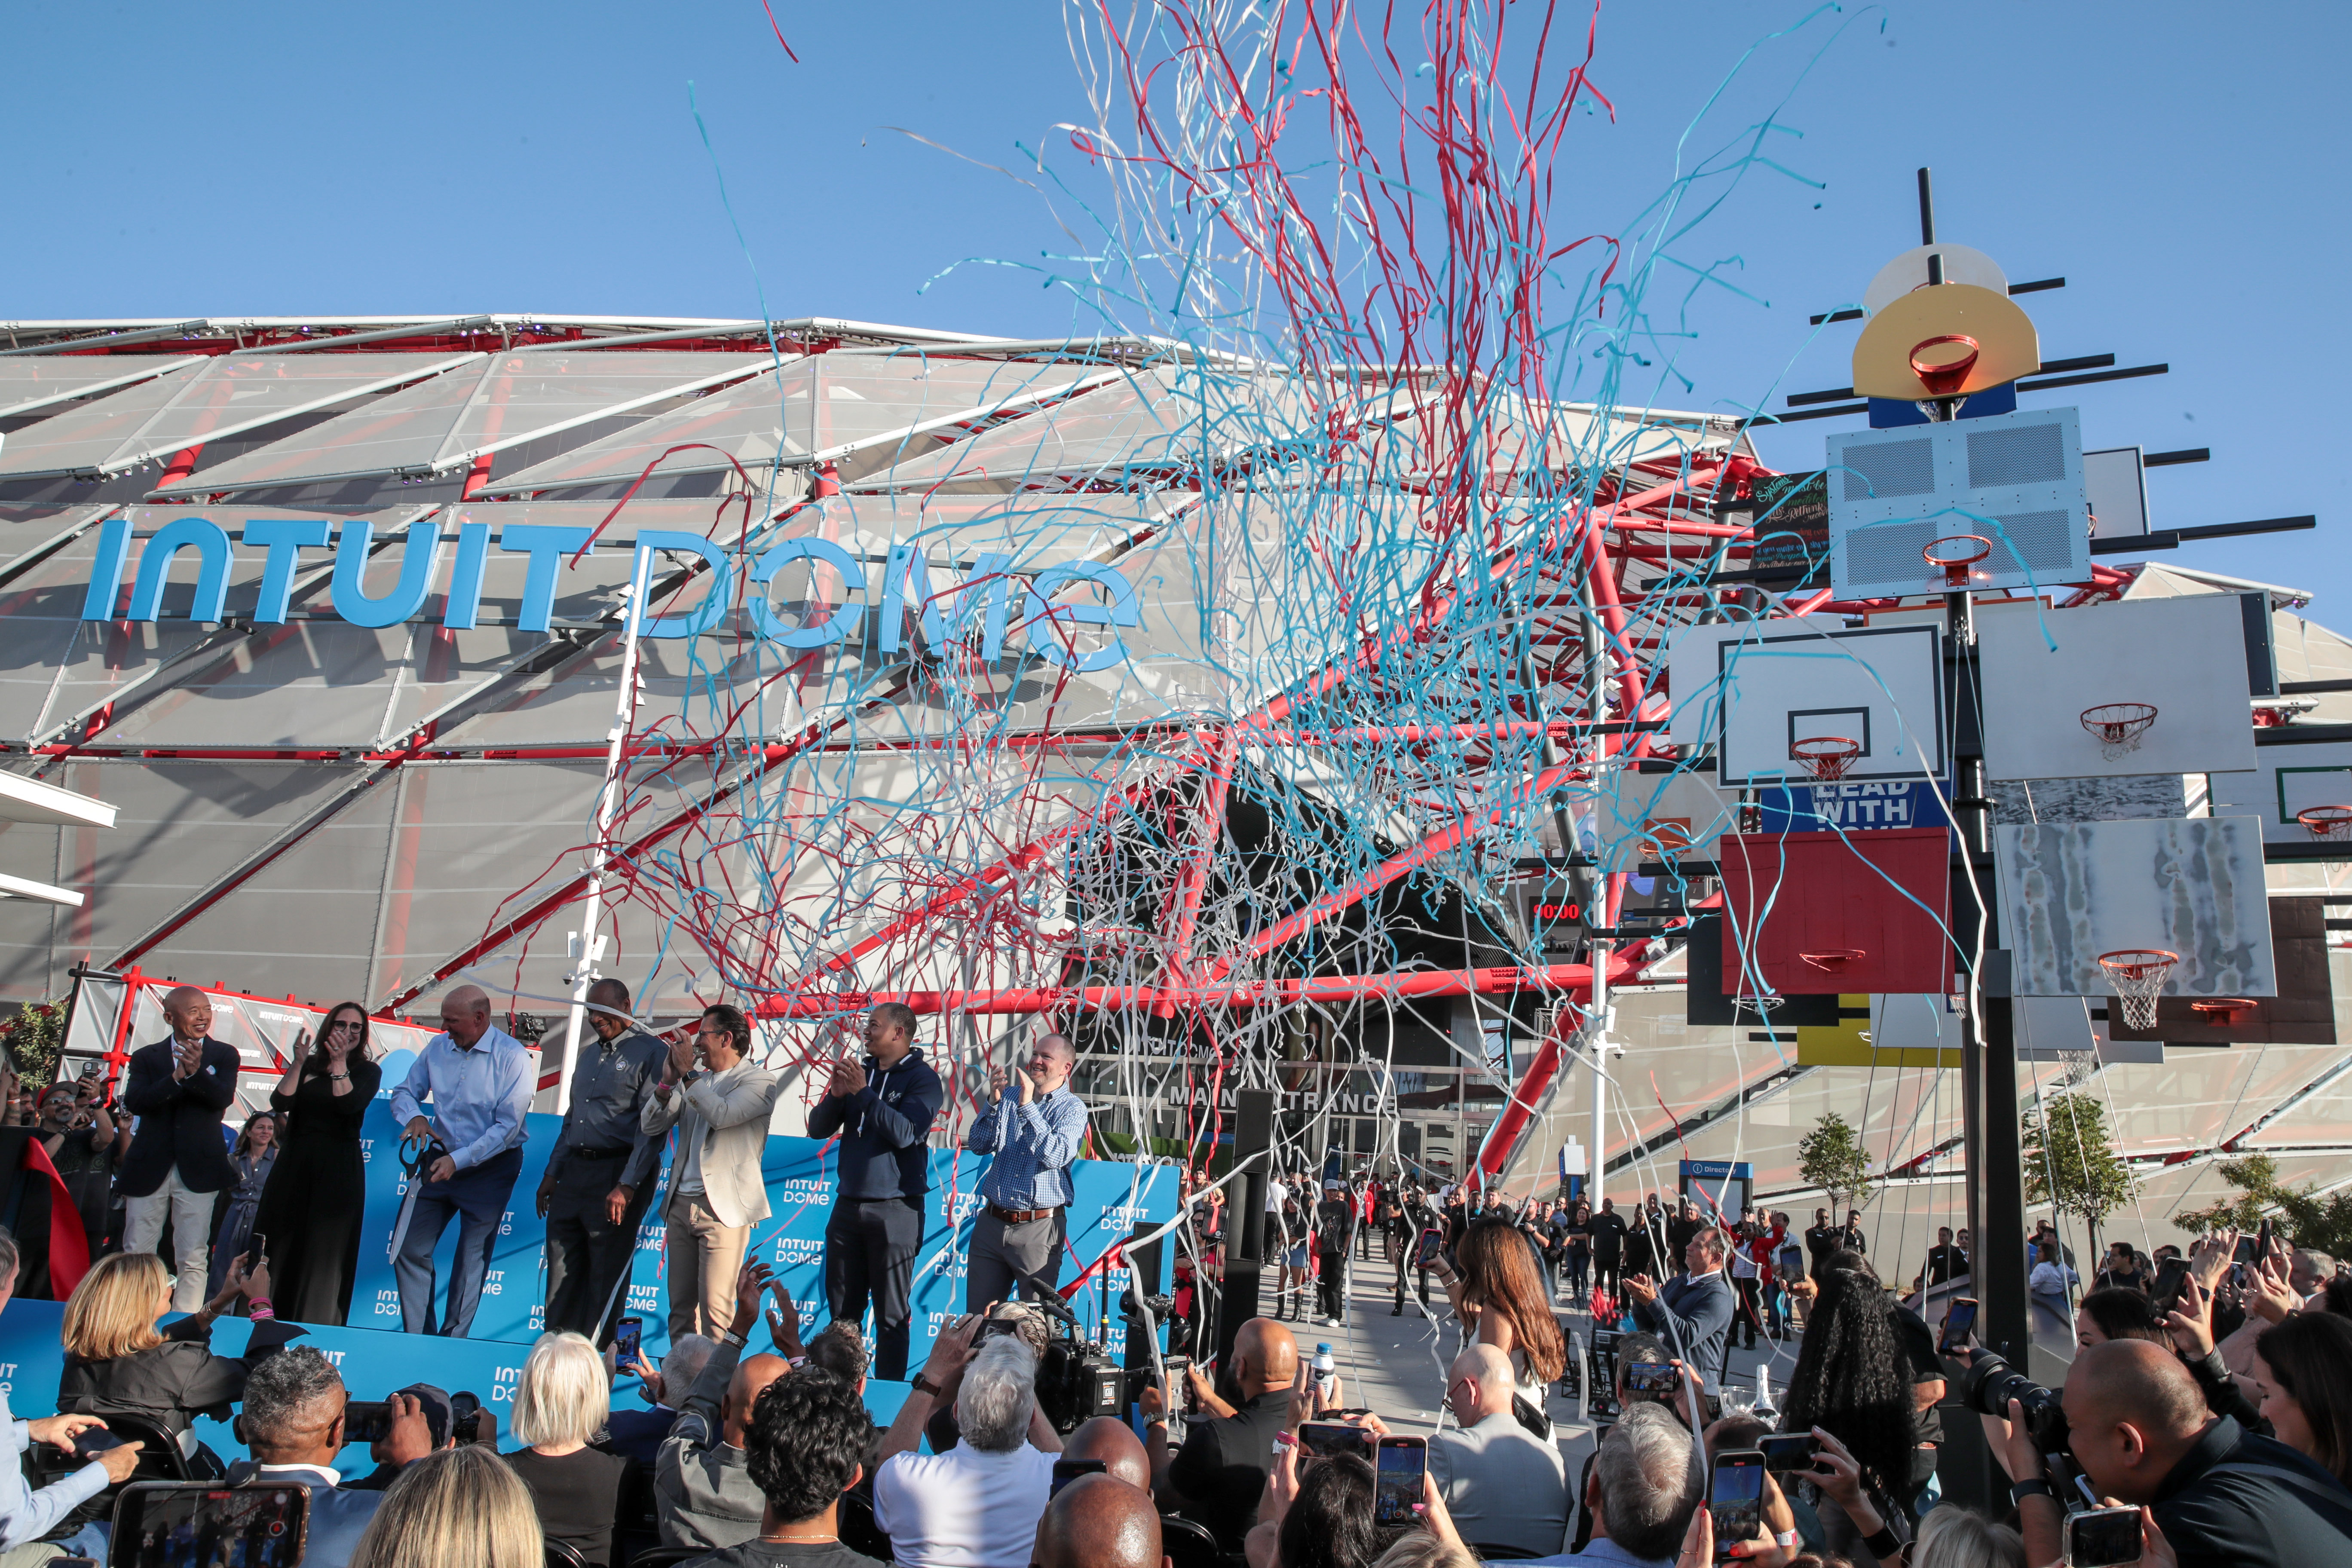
(1034, 1129)
(1215, 1478)
(1098, 1522)
(2139, 1427)
(1111, 1440)
(1500, 1484)
(703, 1492)
(479, 1080)
(178, 1088)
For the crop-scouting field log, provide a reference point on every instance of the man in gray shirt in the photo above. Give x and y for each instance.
(600, 1178)
(703, 1492)
(1502, 1486)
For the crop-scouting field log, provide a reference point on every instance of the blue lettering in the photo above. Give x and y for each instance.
(420, 553)
(546, 545)
(106, 572)
(705, 616)
(210, 541)
(903, 559)
(769, 624)
(1121, 611)
(464, 601)
(283, 538)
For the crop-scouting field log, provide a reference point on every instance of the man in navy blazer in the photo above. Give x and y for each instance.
(293, 1426)
(1692, 1314)
(178, 1088)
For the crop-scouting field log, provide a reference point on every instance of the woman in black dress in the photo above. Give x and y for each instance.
(311, 1210)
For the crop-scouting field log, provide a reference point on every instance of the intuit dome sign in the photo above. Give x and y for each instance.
(988, 601)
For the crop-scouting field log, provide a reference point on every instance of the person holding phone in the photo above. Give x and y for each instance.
(253, 1159)
(78, 1134)
(25, 1515)
(313, 1208)
(1215, 1478)
(1035, 1130)
(293, 1427)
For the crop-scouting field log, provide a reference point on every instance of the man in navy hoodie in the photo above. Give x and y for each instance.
(883, 1109)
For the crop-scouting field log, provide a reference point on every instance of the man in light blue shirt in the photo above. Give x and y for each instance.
(1034, 1129)
(480, 1081)
(27, 1515)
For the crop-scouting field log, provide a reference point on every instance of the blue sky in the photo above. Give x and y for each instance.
(2179, 166)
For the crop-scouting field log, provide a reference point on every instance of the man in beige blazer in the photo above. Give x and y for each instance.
(720, 1104)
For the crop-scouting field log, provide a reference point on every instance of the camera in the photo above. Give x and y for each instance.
(1992, 1382)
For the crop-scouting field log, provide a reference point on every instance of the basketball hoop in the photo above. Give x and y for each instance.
(2119, 725)
(1763, 1004)
(1835, 961)
(1942, 363)
(1825, 757)
(2138, 975)
(1968, 549)
(2221, 1010)
(2325, 821)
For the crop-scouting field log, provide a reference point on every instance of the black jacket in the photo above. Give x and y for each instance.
(170, 1383)
(179, 1122)
(2251, 1502)
(885, 1129)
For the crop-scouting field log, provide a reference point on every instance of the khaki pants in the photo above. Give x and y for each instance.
(704, 1257)
(191, 1233)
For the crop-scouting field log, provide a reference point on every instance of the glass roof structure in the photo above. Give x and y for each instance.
(328, 806)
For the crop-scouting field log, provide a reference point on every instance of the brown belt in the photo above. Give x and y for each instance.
(1019, 1216)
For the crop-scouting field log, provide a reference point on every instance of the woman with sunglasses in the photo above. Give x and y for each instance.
(312, 1212)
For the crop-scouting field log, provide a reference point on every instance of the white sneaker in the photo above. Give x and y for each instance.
(1329, 1322)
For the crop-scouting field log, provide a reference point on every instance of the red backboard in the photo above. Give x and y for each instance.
(1827, 912)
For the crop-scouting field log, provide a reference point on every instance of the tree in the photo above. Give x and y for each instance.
(2071, 1162)
(1832, 1157)
(32, 1041)
(2322, 1221)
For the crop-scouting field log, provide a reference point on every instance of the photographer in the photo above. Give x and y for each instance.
(2134, 1421)
(79, 1136)
(1856, 1380)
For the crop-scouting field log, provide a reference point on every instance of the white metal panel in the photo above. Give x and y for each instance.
(2014, 480)
(2193, 885)
(2117, 489)
(1879, 686)
(2288, 779)
(2186, 656)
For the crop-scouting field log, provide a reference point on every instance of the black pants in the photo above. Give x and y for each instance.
(1751, 1311)
(1608, 1274)
(586, 1253)
(869, 1252)
(1331, 1285)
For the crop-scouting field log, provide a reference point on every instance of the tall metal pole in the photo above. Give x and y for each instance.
(1596, 690)
(624, 713)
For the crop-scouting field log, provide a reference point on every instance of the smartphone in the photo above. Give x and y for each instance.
(1325, 1438)
(1787, 1451)
(168, 1524)
(1650, 1380)
(1068, 1470)
(1432, 1248)
(1735, 1497)
(367, 1420)
(256, 1250)
(1397, 1480)
(464, 1411)
(2262, 1240)
(1959, 1323)
(2245, 1250)
(2102, 1537)
(2170, 1276)
(628, 1343)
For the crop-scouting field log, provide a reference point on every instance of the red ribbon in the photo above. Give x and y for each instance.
(68, 1243)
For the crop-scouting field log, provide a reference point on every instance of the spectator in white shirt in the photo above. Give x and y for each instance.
(1502, 1486)
(976, 1505)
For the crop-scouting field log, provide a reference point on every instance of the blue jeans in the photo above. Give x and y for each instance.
(479, 1194)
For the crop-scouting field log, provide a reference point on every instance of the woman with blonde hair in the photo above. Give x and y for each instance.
(1500, 1288)
(459, 1505)
(1952, 1537)
(119, 1362)
(560, 1404)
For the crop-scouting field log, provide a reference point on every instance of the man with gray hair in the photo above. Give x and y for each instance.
(293, 1426)
(1502, 1487)
(1646, 1481)
(1692, 1314)
(1034, 1129)
(638, 1434)
(976, 1505)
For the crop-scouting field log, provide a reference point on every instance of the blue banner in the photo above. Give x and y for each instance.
(1829, 808)
(1111, 1200)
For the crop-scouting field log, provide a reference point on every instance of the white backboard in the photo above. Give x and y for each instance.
(2288, 779)
(1757, 689)
(1962, 264)
(2186, 656)
(2012, 479)
(2043, 1026)
(1639, 816)
(2117, 489)
(2193, 885)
